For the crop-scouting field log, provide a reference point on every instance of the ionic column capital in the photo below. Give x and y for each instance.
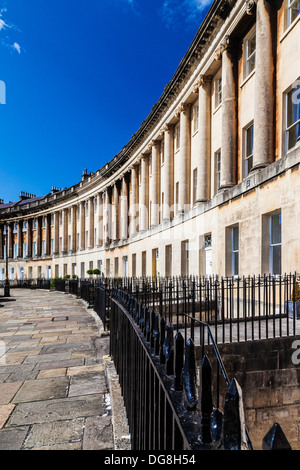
(182, 108)
(250, 6)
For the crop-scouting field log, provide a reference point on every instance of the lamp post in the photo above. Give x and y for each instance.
(6, 282)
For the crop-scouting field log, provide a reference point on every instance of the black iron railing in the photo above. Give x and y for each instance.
(237, 309)
(168, 408)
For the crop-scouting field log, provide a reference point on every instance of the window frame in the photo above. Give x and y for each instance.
(218, 90)
(289, 127)
(273, 245)
(248, 68)
(195, 118)
(246, 157)
(289, 10)
(235, 252)
(217, 163)
(177, 137)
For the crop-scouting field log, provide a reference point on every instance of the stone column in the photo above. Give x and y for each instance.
(263, 151)
(99, 220)
(56, 233)
(168, 183)
(74, 228)
(185, 156)
(20, 239)
(1, 242)
(124, 209)
(155, 184)
(133, 210)
(144, 194)
(82, 226)
(115, 208)
(38, 236)
(48, 235)
(29, 238)
(65, 231)
(229, 116)
(204, 130)
(105, 216)
(91, 222)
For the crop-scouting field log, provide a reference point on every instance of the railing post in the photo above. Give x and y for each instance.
(179, 358)
(234, 432)
(275, 439)
(162, 332)
(189, 376)
(169, 350)
(205, 400)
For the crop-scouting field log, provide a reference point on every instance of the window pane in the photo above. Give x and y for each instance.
(249, 141)
(293, 106)
(276, 229)
(251, 45)
(235, 238)
(235, 263)
(294, 10)
(276, 259)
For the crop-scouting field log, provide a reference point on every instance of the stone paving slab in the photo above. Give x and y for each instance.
(54, 389)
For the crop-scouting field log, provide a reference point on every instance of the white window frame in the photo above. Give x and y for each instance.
(289, 11)
(195, 184)
(290, 127)
(274, 244)
(249, 67)
(235, 252)
(195, 118)
(217, 163)
(218, 90)
(247, 157)
(177, 137)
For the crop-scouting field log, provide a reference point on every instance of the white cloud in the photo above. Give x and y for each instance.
(17, 47)
(7, 41)
(2, 24)
(175, 12)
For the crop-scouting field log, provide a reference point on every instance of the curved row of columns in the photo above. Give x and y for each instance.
(120, 212)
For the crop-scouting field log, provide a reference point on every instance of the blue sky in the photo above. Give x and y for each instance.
(80, 78)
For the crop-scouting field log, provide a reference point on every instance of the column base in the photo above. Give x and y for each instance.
(200, 201)
(259, 166)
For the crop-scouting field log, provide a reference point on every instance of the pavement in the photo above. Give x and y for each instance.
(58, 386)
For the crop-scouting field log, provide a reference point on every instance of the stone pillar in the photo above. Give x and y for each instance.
(65, 231)
(105, 216)
(115, 208)
(204, 131)
(74, 228)
(229, 116)
(82, 226)
(1, 242)
(91, 222)
(10, 240)
(168, 183)
(56, 233)
(20, 239)
(29, 238)
(154, 192)
(144, 194)
(263, 151)
(38, 232)
(184, 157)
(48, 235)
(133, 207)
(124, 209)
(99, 220)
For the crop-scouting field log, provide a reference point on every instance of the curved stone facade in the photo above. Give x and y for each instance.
(209, 184)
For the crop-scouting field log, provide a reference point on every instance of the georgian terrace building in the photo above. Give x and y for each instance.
(210, 182)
